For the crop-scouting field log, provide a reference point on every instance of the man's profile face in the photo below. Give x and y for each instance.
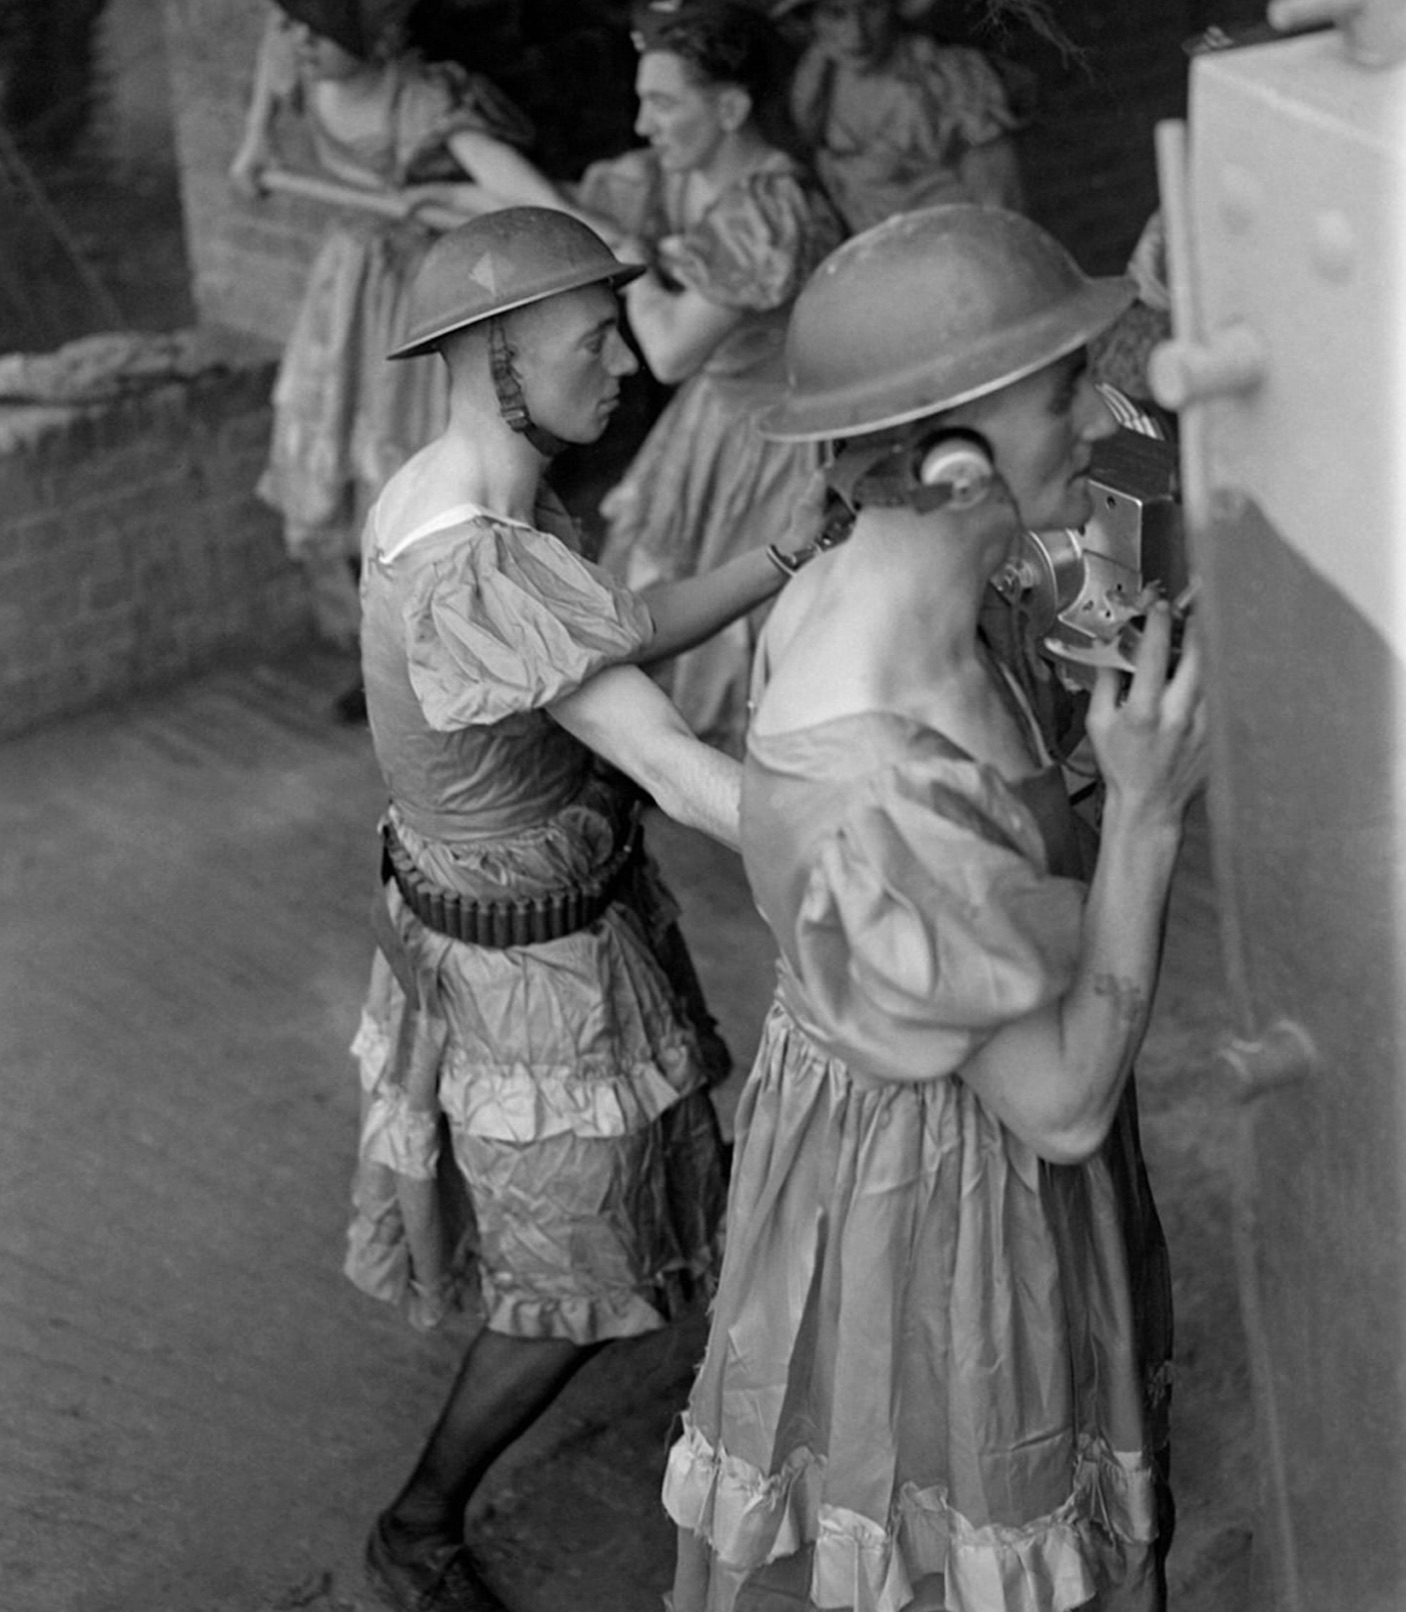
(682, 118)
(1042, 430)
(571, 359)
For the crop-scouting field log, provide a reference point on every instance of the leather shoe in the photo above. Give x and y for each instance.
(433, 1575)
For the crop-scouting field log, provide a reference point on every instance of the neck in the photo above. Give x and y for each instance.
(478, 459)
(734, 159)
(924, 583)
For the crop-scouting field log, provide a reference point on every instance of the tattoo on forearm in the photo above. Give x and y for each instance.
(1128, 999)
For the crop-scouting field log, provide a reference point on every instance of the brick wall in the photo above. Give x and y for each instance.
(132, 548)
(248, 259)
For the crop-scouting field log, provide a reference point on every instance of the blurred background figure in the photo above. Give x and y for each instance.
(730, 226)
(406, 146)
(898, 119)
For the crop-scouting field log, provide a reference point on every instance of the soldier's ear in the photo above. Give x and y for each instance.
(734, 107)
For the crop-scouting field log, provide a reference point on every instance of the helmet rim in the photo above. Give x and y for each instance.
(990, 365)
(473, 308)
(928, 310)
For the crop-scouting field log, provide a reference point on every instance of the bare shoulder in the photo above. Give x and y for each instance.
(811, 657)
(792, 607)
(425, 485)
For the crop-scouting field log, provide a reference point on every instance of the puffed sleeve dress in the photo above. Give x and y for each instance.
(705, 486)
(344, 419)
(925, 1385)
(933, 124)
(536, 1120)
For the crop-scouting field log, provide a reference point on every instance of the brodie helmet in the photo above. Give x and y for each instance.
(492, 265)
(501, 261)
(927, 310)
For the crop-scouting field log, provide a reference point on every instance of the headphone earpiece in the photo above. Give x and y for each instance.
(957, 462)
(947, 468)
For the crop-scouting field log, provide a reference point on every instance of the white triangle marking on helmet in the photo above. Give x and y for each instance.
(485, 273)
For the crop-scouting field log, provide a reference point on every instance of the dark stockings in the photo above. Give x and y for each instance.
(503, 1386)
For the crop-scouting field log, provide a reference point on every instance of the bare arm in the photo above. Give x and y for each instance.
(676, 330)
(1055, 1077)
(628, 720)
(503, 170)
(688, 611)
(272, 81)
(502, 176)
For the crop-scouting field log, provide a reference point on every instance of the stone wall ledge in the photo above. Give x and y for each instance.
(133, 548)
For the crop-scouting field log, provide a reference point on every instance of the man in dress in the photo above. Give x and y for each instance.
(531, 1005)
(937, 1370)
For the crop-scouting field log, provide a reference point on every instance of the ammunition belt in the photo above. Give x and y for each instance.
(527, 921)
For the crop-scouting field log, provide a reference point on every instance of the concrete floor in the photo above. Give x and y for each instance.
(197, 1412)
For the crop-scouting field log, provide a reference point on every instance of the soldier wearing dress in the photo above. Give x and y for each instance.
(731, 226)
(534, 1057)
(937, 1370)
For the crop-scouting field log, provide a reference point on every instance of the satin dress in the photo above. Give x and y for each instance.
(705, 486)
(937, 1370)
(345, 420)
(537, 1135)
(932, 124)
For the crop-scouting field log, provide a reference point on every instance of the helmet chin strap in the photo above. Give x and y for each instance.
(512, 405)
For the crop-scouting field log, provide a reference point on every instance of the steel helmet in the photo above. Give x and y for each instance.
(501, 261)
(927, 310)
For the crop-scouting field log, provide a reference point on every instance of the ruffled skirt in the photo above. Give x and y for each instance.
(922, 1386)
(536, 1123)
(704, 488)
